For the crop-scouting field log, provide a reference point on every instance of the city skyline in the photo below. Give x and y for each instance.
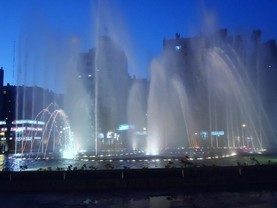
(138, 26)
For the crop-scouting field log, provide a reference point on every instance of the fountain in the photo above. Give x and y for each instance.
(200, 100)
(49, 134)
(168, 111)
(205, 98)
(58, 128)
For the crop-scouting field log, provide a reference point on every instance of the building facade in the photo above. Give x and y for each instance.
(21, 125)
(104, 80)
(228, 79)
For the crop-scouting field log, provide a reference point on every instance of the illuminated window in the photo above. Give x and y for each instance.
(178, 47)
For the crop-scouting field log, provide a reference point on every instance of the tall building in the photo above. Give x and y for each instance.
(19, 121)
(3, 129)
(185, 61)
(267, 72)
(103, 73)
(220, 71)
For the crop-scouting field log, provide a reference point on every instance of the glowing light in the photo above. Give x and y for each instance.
(153, 151)
(233, 153)
(217, 133)
(152, 148)
(69, 154)
(28, 122)
(33, 129)
(178, 47)
(124, 127)
(17, 129)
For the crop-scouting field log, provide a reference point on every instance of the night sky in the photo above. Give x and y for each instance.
(139, 26)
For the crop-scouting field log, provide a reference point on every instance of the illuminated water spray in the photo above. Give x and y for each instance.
(56, 136)
(57, 128)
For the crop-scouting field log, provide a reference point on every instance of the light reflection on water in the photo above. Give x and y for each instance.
(162, 199)
(143, 199)
(13, 164)
(34, 164)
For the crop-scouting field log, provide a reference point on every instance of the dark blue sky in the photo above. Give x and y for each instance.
(139, 25)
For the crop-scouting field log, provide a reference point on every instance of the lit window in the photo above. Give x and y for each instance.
(178, 47)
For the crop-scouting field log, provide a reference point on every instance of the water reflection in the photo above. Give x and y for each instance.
(139, 199)
(2, 159)
(160, 199)
(9, 162)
